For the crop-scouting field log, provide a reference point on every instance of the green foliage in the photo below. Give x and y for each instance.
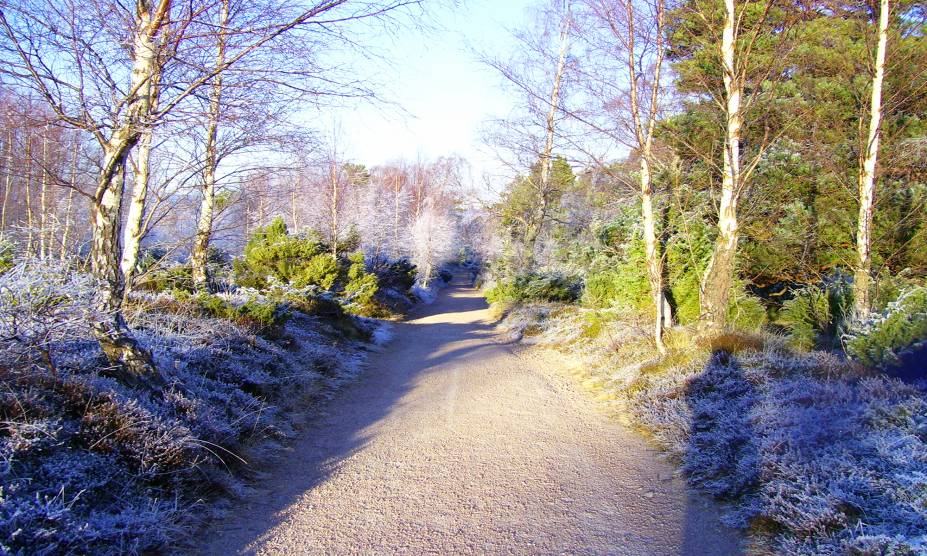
(816, 315)
(745, 312)
(688, 250)
(398, 275)
(548, 287)
(621, 282)
(360, 286)
(319, 270)
(880, 341)
(170, 278)
(266, 316)
(6, 255)
(273, 253)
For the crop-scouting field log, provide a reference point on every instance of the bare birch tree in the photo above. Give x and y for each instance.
(540, 76)
(627, 36)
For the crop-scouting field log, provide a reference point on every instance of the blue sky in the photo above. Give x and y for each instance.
(446, 93)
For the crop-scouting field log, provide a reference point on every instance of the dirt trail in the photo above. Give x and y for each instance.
(455, 443)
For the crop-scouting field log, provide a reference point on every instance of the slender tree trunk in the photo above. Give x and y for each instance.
(397, 191)
(294, 204)
(719, 276)
(199, 257)
(8, 179)
(334, 215)
(546, 158)
(44, 236)
(644, 134)
(69, 207)
(867, 175)
(30, 220)
(133, 362)
(653, 256)
(135, 229)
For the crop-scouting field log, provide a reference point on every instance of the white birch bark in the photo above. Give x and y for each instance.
(30, 223)
(644, 131)
(546, 156)
(719, 275)
(867, 174)
(135, 229)
(117, 342)
(69, 207)
(200, 255)
(44, 235)
(8, 179)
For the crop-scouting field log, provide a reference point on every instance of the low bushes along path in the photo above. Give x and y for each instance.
(453, 442)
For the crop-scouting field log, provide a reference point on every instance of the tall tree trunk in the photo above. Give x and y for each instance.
(133, 362)
(644, 134)
(135, 229)
(867, 175)
(199, 257)
(653, 256)
(719, 275)
(69, 207)
(546, 155)
(397, 202)
(8, 179)
(333, 223)
(30, 220)
(44, 236)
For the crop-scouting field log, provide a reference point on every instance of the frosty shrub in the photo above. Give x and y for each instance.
(360, 286)
(816, 315)
(273, 253)
(811, 458)
(622, 282)
(43, 303)
(536, 287)
(260, 315)
(398, 275)
(896, 336)
(89, 466)
(6, 255)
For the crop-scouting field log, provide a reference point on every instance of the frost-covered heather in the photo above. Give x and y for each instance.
(382, 335)
(428, 295)
(813, 456)
(88, 466)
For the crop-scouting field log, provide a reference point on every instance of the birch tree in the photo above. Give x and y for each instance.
(627, 37)
(91, 82)
(539, 75)
(731, 53)
(200, 252)
(867, 170)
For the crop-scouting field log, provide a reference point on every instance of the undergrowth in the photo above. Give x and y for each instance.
(811, 454)
(90, 466)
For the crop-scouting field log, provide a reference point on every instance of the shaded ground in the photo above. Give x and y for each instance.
(453, 442)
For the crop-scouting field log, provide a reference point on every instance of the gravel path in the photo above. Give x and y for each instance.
(455, 443)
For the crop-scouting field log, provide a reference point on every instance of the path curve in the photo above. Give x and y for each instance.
(453, 442)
